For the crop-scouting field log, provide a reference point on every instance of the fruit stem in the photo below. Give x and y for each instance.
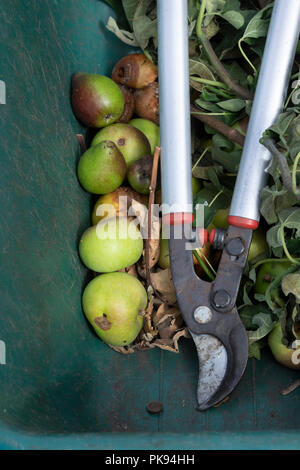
(150, 205)
(294, 175)
(200, 158)
(203, 266)
(215, 198)
(209, 264)
(200, 19)
(285, 249)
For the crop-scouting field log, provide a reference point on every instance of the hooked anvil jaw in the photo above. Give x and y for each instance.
(221, 340)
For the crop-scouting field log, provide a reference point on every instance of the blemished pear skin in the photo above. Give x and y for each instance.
(286, 356)
(97, 101)
(116, 204)
(131, 142)
(102, 168)
(150, 129)
(139, 174)
(114, 305)
(111, 245)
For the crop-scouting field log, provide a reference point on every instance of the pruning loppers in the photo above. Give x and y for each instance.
(209, 308)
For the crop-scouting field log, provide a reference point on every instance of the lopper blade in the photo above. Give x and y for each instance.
(220, 368)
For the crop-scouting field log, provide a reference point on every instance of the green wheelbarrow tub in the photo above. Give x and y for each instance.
(60, 386)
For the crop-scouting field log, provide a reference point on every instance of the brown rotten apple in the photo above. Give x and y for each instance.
(129, 104)
(135, 71)
(147, 103)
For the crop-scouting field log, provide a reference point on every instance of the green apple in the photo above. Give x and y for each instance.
(101, 168)
(131, 142)
(114, 305)
(111, 245)
(150, 129)
(286, 356)
(97, 101)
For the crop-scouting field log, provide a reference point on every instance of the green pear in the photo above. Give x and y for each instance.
(150, 129)
(131, 142)
(164, 255)
(114, 305)
(196, 186)
(101, 168)
(111, 245)
(97, 101)
(139, 174)
(286, 356)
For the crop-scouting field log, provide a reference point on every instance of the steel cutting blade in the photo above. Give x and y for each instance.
(212, 357)
(220, 367)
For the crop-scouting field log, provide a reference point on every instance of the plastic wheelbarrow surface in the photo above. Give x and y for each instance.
(60, 386)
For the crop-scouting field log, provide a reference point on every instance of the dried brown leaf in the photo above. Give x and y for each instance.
(180, 334)
(162, 283)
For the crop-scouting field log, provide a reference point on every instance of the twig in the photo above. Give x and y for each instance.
(224, 129)
(283, 165)
(220, 69)
(291, 387)
(151, 202)
(81, 141)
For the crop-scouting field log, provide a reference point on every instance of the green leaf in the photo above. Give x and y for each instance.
(199, 68)
(130, 7)
(144, 27)
(234, 105)
(213, 6)
(254, 350)
(192, 9)
(207, 106)
(212, 199)
(258, 26)
(288, 219)
(274, 201)
(265, 326)
(249, 312)
(226, 153)
(290, 284)
(235, 18)
(204, 173)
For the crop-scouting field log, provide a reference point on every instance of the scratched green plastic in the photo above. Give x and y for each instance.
(61, 387)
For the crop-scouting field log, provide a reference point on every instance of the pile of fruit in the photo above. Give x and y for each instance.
(131, 301)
